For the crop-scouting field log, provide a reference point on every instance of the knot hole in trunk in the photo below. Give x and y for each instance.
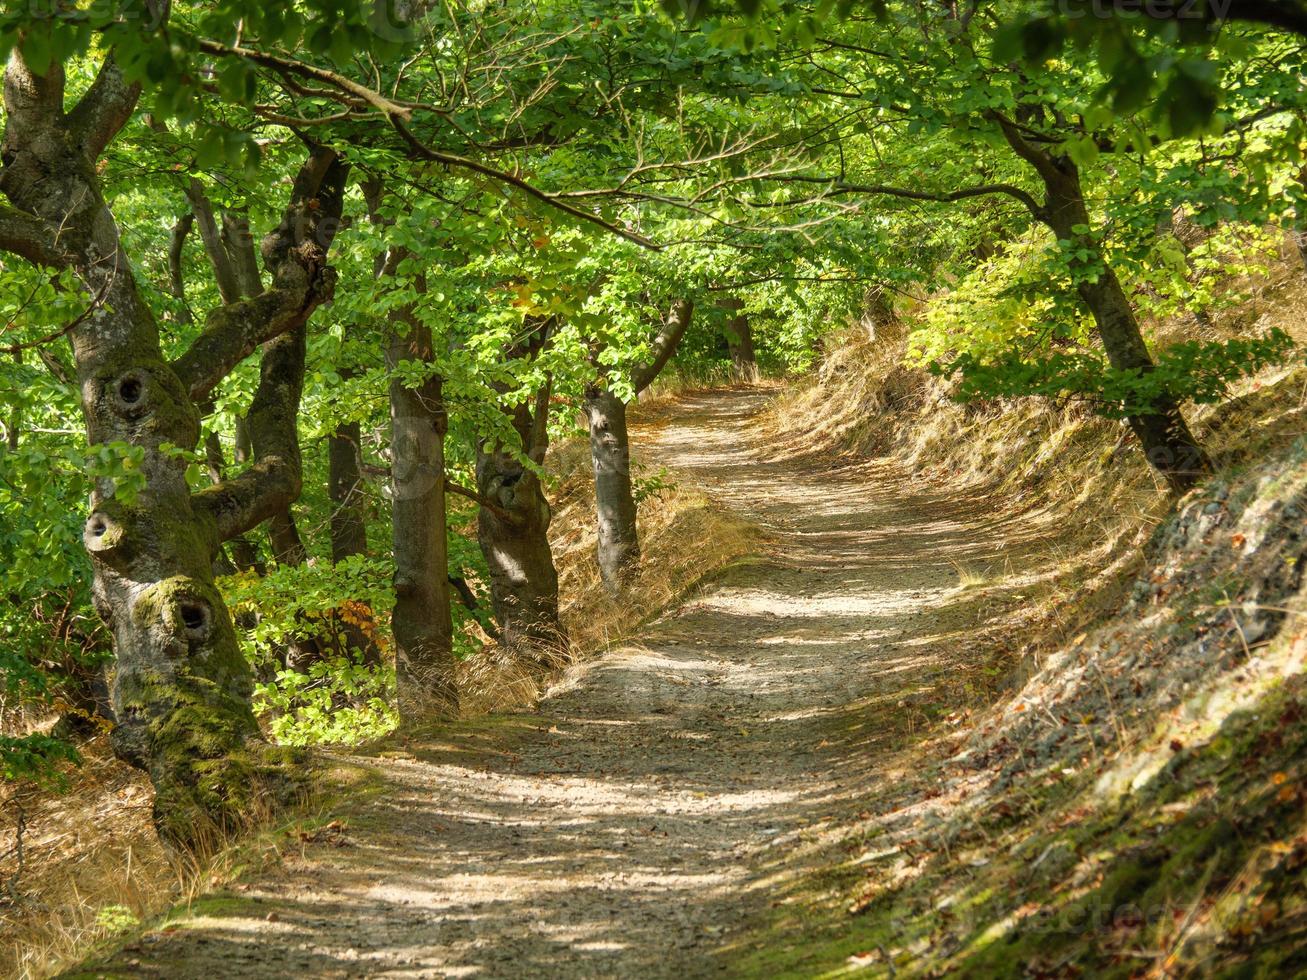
(130, 394)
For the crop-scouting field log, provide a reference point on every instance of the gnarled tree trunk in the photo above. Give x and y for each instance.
(513, 531)
(181, 690)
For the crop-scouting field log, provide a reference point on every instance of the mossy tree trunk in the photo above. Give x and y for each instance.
(181, 688)
(1168, 444)
(618, 548)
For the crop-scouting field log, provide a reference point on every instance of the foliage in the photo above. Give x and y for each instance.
(1189, 371)
(546, 180)
(338, 701)
(35, 758)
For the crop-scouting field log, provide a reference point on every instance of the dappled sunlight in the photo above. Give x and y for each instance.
(669, 784)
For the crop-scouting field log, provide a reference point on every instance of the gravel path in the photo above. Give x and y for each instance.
(633, 825)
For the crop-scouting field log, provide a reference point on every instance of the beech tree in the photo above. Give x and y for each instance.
(610, 451)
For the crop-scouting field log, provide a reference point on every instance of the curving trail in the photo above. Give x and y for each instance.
(638, 824)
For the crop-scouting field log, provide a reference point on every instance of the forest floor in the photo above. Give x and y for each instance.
(638, 821)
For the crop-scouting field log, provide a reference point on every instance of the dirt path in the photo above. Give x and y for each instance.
(631, 827)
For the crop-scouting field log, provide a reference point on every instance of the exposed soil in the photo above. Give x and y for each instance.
(637, 823)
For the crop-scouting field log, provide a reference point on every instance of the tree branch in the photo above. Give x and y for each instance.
(664, 346)
(30, 237)
(274, 481)
(104, 109)
(224, 274)
(346, 86)
(1008, 190)
(296, 254)
(233, 332)
(476, 498)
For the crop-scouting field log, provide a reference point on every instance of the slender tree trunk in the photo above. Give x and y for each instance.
(513, 530)
(610, 454)
(349, 533)
(176, 278)
(422, 622)
(618, 540)
(244, 554)
(1168, 444)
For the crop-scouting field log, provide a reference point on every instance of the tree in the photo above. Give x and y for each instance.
(181, 687)
(610, 452)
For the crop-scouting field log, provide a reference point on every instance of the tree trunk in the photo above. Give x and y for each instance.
(513, 531)
(349, 532)
(422, 622)
(619, 541)
(1300, 229)
(1168, 444)
(181, 689)
(610, 454)
(739, 338)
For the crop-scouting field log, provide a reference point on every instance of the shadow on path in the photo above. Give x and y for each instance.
(628, 828)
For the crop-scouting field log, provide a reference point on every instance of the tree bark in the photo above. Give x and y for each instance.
(514, 536)
(1169, 446)
(739, 338)
(349, 533)
(181, 688)
(618, 546)
(610, 454)
(421, 621)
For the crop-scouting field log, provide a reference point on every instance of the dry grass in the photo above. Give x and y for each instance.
(93, 867)
(684, 538)
(1059, 460)
(87, 850)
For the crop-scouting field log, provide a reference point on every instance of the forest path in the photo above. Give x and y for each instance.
(635, 825)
